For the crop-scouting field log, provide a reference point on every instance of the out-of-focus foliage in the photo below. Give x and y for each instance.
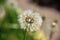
(14, 34)
(39, 35)
(2, 1)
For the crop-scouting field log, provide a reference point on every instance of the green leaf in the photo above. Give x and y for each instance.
(11, 16)
(8, 26)
(12, 34)
(11, 20)
(2, 1)
(3, 34)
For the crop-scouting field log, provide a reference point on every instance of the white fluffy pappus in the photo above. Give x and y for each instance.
(30, 20)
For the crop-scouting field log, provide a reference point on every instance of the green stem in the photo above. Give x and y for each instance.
(25, 35)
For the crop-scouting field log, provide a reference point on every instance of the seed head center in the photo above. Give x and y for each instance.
(29, 20)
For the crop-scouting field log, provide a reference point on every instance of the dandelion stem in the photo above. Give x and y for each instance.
(25, 35)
